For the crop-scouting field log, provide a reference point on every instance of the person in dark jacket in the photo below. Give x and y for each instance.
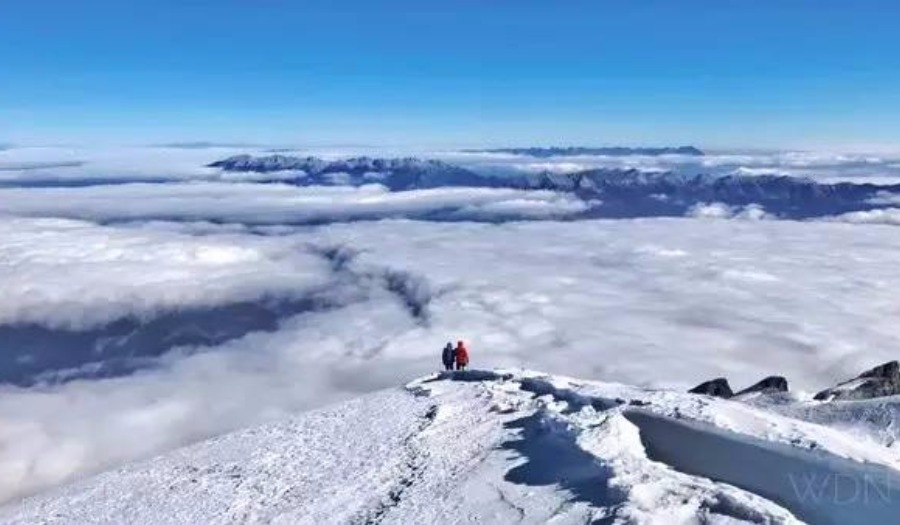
(462, 356)
(448, 356)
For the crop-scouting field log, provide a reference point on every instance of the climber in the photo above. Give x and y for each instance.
(448, 356)
(462, 356)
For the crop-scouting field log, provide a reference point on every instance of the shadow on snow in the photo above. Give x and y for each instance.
(553, 458)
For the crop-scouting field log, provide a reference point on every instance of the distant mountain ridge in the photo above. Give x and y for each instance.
(622, 192)
(396, 173)
(613, 151)
(634, 193)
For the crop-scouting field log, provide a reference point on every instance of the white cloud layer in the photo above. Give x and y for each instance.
(277, 203)
(76, 275)
(888, 216)
(719, 210)
(25, 164)
(823, 166)
(667, 302)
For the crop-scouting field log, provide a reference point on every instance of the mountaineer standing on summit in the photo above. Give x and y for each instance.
(462, 356)
(448, 356)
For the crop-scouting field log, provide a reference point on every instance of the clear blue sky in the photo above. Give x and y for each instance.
(718, 73)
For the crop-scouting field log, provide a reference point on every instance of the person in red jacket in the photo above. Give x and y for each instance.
(462, 356)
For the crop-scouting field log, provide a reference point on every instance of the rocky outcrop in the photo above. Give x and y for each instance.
(718, 387)
(881, 381)
(769, 385)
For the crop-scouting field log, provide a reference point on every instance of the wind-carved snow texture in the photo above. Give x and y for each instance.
(816, 486)
(503, 447)
(542, 387)
(415, 465)
(553, 458)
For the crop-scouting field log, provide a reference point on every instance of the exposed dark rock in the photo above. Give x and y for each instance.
(881, 381)
(889, 370)
(718, 387)
(769, 385)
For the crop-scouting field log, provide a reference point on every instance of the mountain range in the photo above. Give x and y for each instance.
(617, 192)
(612, 151)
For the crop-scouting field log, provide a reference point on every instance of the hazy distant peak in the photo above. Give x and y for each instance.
(615, 151)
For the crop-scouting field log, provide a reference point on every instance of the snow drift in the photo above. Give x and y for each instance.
(505, 447)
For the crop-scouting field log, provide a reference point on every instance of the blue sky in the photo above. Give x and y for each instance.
(722, 73)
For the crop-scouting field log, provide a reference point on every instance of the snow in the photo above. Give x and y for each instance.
(296, 470)
(508, 447)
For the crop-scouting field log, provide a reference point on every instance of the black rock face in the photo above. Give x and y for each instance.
(888, 370)
(881, 381)
(769, 385)
(718, 387)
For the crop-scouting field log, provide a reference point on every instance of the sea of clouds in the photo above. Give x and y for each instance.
(881, 168)
(357, 305)
(77, 163)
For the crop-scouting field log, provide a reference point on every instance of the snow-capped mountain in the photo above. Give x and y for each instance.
(613, 151)
(612, 192)
(516, 447)
(630, 193)
(396, 173)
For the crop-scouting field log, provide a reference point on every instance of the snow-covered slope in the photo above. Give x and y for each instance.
(509, 447)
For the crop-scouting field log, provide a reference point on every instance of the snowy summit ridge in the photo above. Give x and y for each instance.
(512, 447)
